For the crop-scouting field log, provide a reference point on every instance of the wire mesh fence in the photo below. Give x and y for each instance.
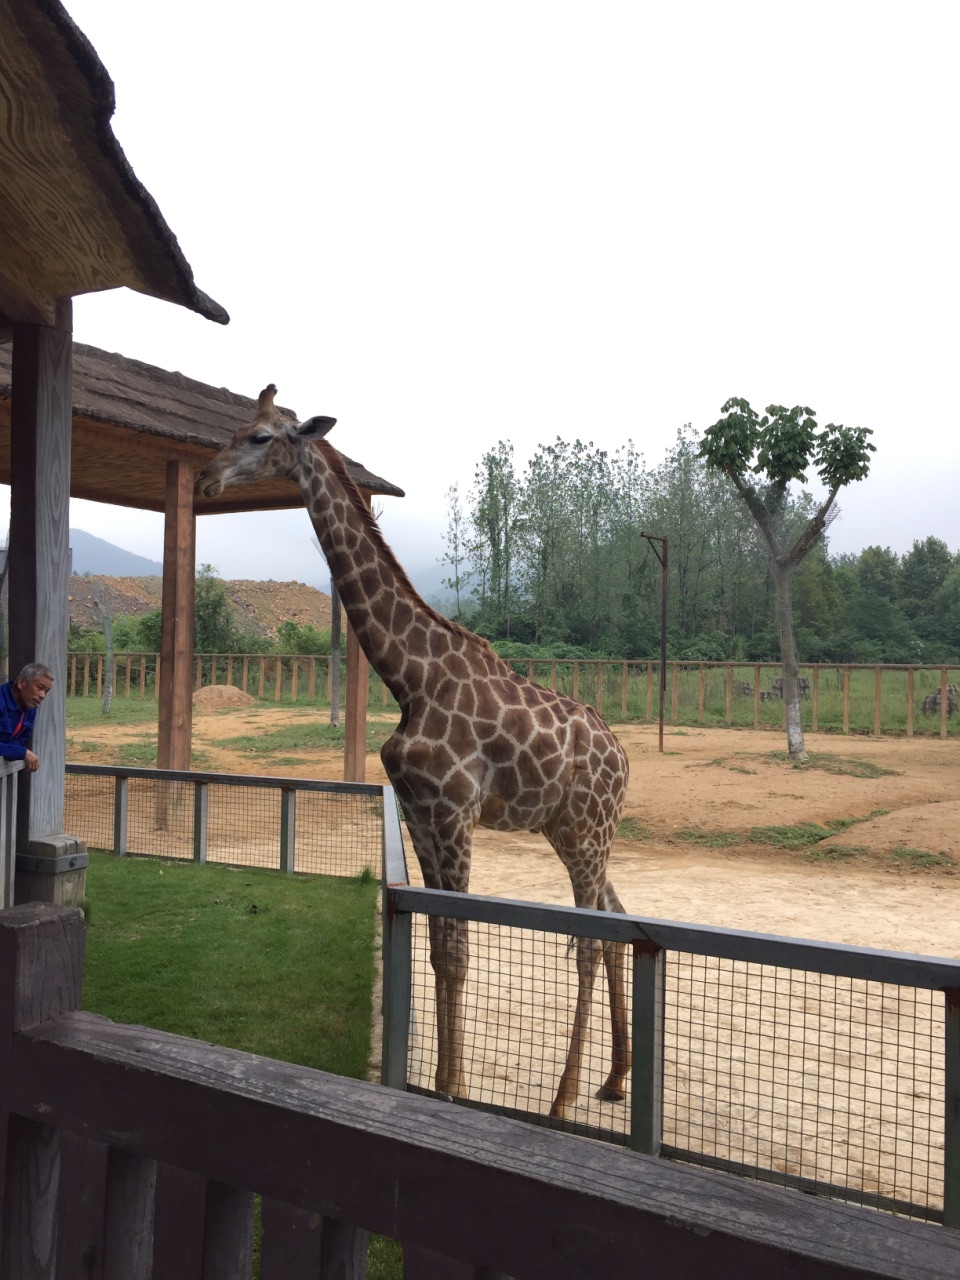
(277, 823)
(828, 1082)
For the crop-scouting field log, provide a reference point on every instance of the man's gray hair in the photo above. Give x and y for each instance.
(33, 670)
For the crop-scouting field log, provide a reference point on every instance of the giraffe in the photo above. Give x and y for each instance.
(477, 744)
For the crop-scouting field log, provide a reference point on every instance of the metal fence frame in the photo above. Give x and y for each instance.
(650, 940)
(286, 789)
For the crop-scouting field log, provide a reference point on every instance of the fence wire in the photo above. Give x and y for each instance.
(829, 1084)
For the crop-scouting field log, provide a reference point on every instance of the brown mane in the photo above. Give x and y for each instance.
(335, 461)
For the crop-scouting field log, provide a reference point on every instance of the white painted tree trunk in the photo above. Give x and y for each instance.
(783, 581)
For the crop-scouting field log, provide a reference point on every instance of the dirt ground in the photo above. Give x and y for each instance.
(889, 880)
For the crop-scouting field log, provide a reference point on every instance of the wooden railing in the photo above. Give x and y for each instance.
(133, 1154)
(846, 697)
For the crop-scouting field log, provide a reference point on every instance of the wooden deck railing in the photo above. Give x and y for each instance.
(131, 1154)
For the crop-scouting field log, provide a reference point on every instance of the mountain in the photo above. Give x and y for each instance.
(96, 555)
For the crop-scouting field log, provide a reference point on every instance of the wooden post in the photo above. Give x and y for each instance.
(756, 696)
(815, 700)
(674, 692)
(623, 693)
(649, 690)
(876, 702)
(355, 718)
(728, 693)
(576, 681)
(39, 558)
(358, 692)
(262, 665)
(277, 679)
(41, 960)
(944, 702)
(312, 681)
(600, 687)
(246, 673)
(846, 700)
(143, 674)
(86, 675)
(293, 680)
(175, 722)
(909, 702)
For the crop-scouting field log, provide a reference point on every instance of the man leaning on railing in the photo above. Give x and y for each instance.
(19, 700)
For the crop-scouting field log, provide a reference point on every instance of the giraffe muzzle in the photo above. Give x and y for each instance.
(207, 484)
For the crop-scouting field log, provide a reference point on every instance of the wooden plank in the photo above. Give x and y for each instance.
(175, 722)
(291, 1246)
(505, 1195)
(80, 1212)
(28, 1245)
(180, 1204)
(128, 1225)
(228, 1233)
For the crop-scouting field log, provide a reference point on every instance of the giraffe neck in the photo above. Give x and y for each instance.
(391, 621)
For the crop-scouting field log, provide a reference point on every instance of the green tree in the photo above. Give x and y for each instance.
(778, 448)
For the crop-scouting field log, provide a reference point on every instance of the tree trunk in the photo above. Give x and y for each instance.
(783, 582)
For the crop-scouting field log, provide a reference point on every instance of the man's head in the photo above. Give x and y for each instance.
(32, 685)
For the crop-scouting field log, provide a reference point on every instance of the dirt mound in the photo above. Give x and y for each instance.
(261, 605)
(221, 695)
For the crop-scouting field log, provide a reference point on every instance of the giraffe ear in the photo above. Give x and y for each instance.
(315, 428)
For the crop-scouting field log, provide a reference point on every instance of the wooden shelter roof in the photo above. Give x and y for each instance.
(74, 218)
(131, 418)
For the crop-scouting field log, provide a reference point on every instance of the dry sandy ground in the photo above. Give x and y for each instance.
(874, 887)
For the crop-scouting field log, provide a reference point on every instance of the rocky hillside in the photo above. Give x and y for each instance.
(263, 605)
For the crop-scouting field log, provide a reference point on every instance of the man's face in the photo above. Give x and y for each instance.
(30, 693)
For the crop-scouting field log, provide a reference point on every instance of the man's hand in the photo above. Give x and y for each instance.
(32, 761)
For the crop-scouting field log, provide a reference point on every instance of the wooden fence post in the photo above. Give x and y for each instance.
(41, 972)
(909, 702)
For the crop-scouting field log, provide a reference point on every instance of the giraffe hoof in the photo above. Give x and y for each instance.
(610, 1093)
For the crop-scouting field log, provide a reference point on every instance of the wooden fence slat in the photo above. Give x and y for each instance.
(82, 1199)
(910, 702)
(29, 1236)
(128, 1229)
(178, 1224)
(291, 1247)
(228, 1233)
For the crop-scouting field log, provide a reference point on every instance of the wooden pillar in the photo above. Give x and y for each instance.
(175, 724)
(355, 717)
(50, 863)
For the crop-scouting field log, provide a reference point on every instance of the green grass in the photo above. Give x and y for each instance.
(631, 829)
(799, 835)
(276, 965)
(846, 765)
(918, 859)
(712, 839)
(86, 712)
(311, 734)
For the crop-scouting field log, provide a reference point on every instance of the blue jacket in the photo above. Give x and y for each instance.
(16, 725)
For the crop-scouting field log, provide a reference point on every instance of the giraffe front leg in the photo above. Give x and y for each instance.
(450, 957)
(588, 960)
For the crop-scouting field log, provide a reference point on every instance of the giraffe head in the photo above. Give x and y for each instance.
(268, 446)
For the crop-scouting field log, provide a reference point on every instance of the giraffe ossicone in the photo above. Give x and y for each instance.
(477, 744)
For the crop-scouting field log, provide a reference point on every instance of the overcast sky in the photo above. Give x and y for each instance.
(448, 224)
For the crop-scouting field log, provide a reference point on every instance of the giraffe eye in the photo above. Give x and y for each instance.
(263, 438)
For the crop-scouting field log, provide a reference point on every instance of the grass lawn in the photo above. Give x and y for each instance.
(276, 965)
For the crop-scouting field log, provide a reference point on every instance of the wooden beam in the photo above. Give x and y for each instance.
(41, 395)
(355, 717)
(175, 723)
